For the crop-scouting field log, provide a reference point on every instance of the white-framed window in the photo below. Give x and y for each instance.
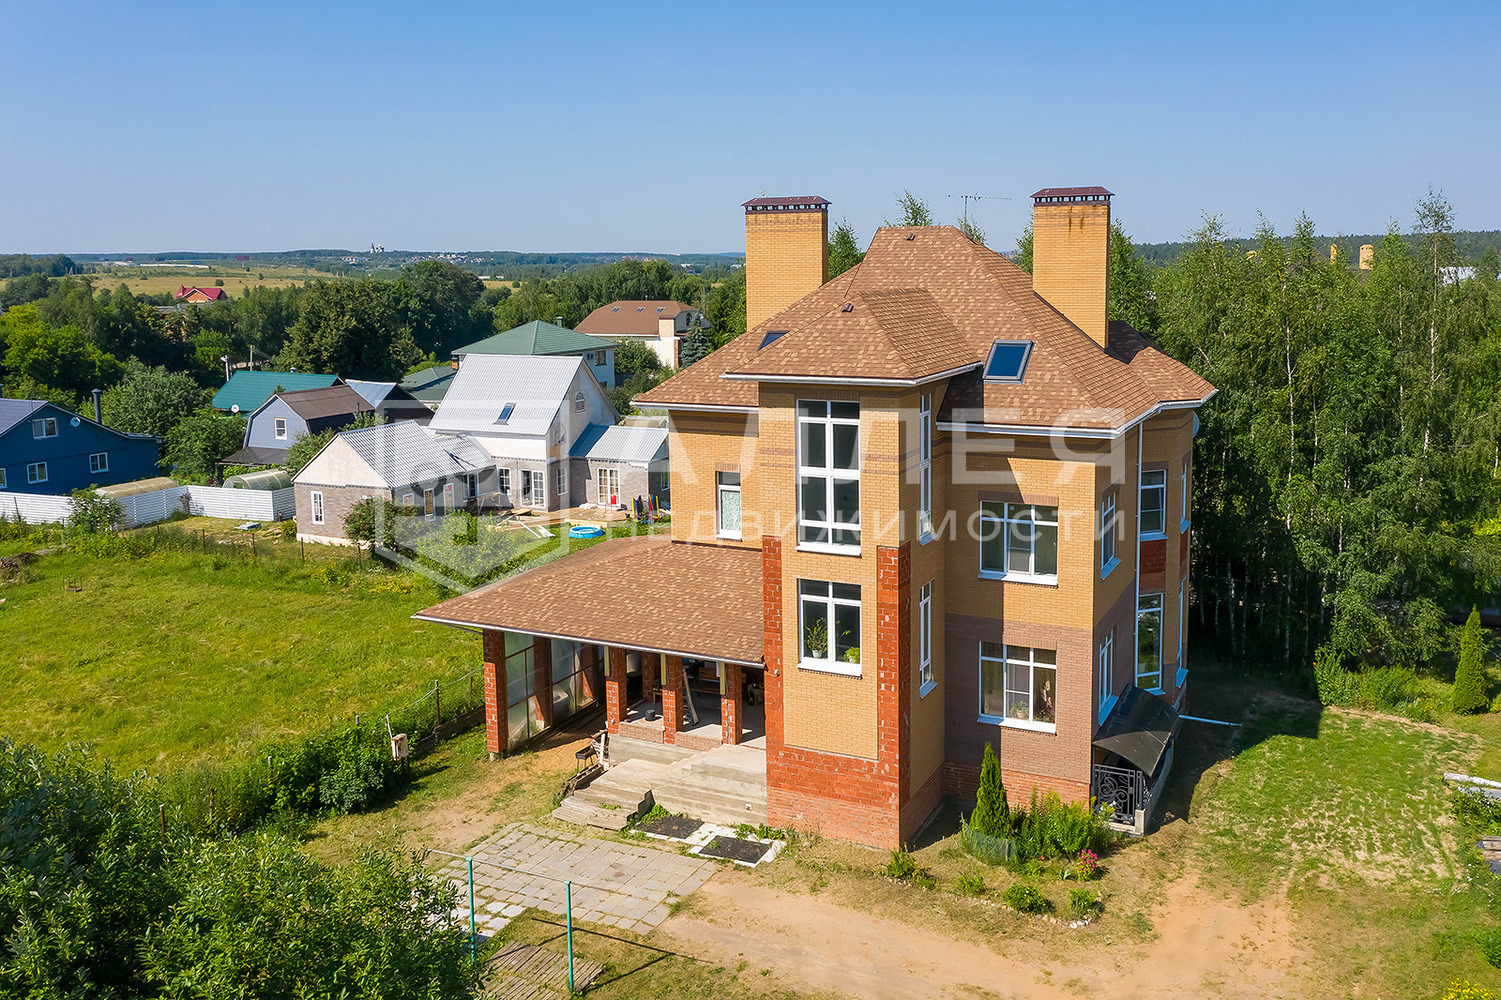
(99, 461)
(279, 424)
(531, 488)
(829, 620)
(1183, 508)
(504, 477)
(447, 497)
(1018, 686)
(728, 486)
(607, 481)
(1182, 618)
(428, 507)
(561, 478)
(1019, 541)
(925, 681)
(316, 499)
(36, 472)
(925, 466)
(1104, 677)
(1152, 517)
(1149, 641)
(828, 458)
(1108, 561)
(44, 427)
(2, 479)
(408, 499)
(578, 402)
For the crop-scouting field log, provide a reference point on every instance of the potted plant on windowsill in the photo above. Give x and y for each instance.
(816, 639)
(852, 655)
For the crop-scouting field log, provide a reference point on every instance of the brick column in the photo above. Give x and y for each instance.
(615, 689)
(893, 663)
(672, 700)
(730, 707)
(495, 686)
(590, 681)
(771, 633)
(542, 677)
(649, 678)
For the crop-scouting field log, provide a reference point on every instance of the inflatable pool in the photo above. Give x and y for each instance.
(585, 531)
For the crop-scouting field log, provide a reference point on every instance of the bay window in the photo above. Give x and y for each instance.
(829, 621)
(1018, 686)
(1019, 541)
(828, 459)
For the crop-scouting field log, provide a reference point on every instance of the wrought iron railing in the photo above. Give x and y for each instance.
(1123, 789)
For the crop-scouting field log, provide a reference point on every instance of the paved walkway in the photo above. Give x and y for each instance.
(617, 885)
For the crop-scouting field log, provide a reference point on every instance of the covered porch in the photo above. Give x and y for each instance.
(665, 635)
(1133, 757)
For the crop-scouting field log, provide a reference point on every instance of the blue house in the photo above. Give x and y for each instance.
(276, 424)
(47, 449)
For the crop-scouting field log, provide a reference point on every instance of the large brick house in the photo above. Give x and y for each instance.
(933, 503)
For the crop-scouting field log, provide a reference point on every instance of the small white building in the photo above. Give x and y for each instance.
(659, 325)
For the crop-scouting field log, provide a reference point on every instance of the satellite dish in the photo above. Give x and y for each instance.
(76, 421)
(235, 408)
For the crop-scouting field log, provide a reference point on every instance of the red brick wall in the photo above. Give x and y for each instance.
(1154, 556)
(960, 781)
(672, 700)
(495, 716)
(730, 706)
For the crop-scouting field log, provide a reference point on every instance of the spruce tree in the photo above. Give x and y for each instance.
(992, 816)
(1469, 679)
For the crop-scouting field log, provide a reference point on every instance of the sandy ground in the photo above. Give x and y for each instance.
(1205, 948)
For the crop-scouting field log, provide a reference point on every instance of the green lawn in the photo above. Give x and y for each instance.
(179, 655)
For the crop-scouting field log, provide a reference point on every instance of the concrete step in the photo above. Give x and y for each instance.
(589, 814)
(710, 805)
(623, 748)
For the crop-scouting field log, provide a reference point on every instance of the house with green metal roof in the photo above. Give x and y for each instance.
(247, 391)
(539, 338)
(430, 385)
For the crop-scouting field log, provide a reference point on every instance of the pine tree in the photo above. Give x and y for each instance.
(992, 816)
(1469, 679)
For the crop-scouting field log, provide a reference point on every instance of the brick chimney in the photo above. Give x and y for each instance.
(786, 253)
(1070, 245)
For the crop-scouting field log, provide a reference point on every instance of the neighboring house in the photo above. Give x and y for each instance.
(47, 449)
(276, 424)
(246, 391)
(430, 385)
(539, 338)
(391, 401)
(659, 325)
(400, 462)
(936, 504)
(528, 413)
(187, 294)
(621, 463)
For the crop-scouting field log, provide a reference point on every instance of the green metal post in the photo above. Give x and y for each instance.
(472, 956)
(568, 918)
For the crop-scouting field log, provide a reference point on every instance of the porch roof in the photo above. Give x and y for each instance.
(654, 594)
(1138, 728)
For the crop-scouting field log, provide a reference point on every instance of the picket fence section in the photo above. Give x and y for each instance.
(158, 505)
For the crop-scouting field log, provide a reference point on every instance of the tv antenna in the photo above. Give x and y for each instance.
(967, 198)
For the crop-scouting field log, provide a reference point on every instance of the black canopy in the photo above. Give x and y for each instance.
(1138, 728)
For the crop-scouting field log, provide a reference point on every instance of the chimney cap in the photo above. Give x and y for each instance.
(798, 203)
(1070, 194)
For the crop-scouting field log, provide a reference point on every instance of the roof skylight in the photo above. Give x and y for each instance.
(772, 336)
(505, 413)
(1008, 360)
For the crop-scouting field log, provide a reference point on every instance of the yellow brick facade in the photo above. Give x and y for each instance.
(1069, 244)
(786, 257)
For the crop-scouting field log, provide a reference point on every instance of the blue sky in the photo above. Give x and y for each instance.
(618, 126)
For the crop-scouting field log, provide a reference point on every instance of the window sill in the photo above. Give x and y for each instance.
(830, 667)
(1045, 581)
(825, 548)
(1105, 707)
(1151, 536)
(925, 537)
(1182, 676)
(1109, 568)
(1034, 727)
(926, 688)
(729, 536)
(1183, 527)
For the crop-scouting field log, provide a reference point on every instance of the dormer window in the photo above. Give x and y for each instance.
(772, 336)
(1008, 360)
(640, 308)
(505, 413)
(659, 308)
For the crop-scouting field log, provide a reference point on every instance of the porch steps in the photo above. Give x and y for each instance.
(725, 785)
(611, 800)
(623, 748)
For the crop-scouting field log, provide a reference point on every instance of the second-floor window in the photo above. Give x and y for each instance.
(1149, 641)
(99, 461)
(830, 623)
(728, 484)
(280, 425)
(578, 402)
(1019, 540)
(1108, 561)
(828, 485)
(44, 427)
(1183, 501)
(1153, 503)
(925, 465)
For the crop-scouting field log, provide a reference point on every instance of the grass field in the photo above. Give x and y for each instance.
(151, 280)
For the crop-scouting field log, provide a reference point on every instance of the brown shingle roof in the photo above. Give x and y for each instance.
(648, 593)
(977, 297)
(629, 318)
(333, 401)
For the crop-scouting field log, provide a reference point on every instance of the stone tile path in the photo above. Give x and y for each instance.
(616, 885)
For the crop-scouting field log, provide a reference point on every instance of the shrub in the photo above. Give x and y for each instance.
(1335, 684)
(1387, 687)
(1082, 903)
(971, 885)
(992, 816)
(94, 514)
(289, 530)
(1025, 899)
(1469, 678)
(991, 850)
(903, 867)
(1490, 946)
(1475, 809)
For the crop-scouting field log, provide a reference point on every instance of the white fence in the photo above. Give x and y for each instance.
(158, 505)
